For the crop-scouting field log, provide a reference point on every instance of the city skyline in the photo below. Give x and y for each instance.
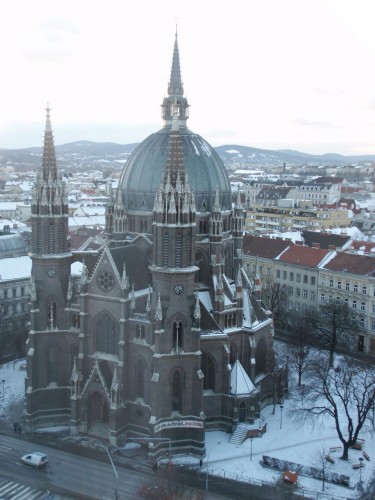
(272, 75)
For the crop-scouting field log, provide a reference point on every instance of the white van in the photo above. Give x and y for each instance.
(35, 459)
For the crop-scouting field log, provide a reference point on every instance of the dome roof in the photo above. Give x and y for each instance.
(143, 171)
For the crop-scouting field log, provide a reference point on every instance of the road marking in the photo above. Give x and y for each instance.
(16, 491)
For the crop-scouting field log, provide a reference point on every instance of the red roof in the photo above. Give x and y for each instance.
(266, 248)
(366, 246)
(352, 263)
(304, 256)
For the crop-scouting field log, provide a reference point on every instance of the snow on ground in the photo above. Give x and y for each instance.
(283, 440)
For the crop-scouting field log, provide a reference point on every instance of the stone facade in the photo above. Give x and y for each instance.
(145, 342)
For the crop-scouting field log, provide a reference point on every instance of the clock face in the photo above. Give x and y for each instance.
(51, 273)
(178, 289)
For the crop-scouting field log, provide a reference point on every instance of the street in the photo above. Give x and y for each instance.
(71, 476)
(81, 477)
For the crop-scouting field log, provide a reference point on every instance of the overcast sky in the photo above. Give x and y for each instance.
(275, 74)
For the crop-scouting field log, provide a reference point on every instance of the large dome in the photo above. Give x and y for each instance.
(143, 172)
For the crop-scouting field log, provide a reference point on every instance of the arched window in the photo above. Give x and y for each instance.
(106, 334)
(261, 356)
(233, 356)
(51, 365)
(208, 368)
(177, 385)
(177, 335)
(139, 378)
(51, 314)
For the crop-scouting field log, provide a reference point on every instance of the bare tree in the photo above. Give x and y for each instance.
(275, 297)
(332, 323)
(299, 355)
(321, 463)
(346, 394)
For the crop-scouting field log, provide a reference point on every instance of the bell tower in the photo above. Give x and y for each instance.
(50, 338)
(50, 250)
(177, 377)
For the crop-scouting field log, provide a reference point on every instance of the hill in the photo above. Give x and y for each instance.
(229, 152)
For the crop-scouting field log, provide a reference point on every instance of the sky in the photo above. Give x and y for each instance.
(291, 74)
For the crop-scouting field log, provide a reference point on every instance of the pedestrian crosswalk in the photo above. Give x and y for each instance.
(10, 490)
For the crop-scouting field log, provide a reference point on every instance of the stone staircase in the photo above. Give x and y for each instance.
(239, 435)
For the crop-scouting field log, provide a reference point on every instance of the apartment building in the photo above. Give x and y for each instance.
(14, 304)
(259, 257)
(313, 276)
(267, 219)
(298, 269)
(322, 190)
(351, 278)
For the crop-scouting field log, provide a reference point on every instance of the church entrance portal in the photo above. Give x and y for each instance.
(98, 415)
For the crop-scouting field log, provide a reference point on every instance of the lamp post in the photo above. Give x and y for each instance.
(3, 381)
(208, 457)
(107, 449)
(251, 448)
(281, 416)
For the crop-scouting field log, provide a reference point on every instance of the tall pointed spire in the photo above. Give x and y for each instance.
(49, 168)
(175, 87)
(175, 102)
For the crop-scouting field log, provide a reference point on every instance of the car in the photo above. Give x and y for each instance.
(35, 459)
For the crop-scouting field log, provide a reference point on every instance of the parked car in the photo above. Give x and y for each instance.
(35, 459)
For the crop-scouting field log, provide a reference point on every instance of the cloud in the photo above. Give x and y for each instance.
(52, 41)
(329, 92)
(314, 123)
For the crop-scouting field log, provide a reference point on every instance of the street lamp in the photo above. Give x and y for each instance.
(3, 381)
(208, 457)
(281, 416)
(251, 447)
(107, 449)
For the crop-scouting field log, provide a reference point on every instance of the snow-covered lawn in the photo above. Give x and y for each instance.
(283, 440)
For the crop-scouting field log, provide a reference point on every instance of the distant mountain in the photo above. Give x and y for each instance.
(227, 153)
(88, 148)
(230, 151)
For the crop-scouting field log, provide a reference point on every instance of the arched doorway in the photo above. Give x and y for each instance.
(97, 414)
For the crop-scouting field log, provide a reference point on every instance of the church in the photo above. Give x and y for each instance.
(161, 335)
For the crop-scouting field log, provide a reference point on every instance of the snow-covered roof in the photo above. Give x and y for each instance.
(240, 383)
(15, 268)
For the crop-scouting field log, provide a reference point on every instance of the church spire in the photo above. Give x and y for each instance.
(49, 168)
(175, 87)
(175, 100)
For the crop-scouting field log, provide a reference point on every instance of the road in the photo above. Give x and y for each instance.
(65, 472)
(69, 475)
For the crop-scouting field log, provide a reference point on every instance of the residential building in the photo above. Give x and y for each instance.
(350, 278)
(268, 220)
(313, 276)
(14, 305)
